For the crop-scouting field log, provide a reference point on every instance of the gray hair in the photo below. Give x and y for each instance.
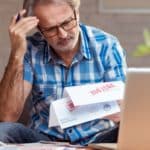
(30, 4)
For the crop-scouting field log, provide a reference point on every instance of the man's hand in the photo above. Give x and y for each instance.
(13, 90)
(115, 117)
(17, 32)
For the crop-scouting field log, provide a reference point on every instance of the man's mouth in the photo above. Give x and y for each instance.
(64, 41)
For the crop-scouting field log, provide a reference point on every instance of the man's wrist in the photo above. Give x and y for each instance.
(16, 59)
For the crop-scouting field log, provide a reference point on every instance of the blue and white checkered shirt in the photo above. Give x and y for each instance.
(99, 59)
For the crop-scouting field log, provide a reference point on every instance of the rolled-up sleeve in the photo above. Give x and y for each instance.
(28, 70)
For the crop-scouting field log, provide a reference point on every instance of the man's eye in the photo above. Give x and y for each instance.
(51, 29)
(66, 22)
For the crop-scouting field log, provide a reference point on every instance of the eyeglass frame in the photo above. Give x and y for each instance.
(59, 26)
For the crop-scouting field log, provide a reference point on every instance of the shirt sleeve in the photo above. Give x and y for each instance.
(28, 69)
(115, 62)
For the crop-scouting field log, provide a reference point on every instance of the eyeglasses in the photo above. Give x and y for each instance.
(66, 25)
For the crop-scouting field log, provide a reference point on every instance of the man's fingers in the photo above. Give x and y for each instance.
(25, 29)
(19, 30)
(14, 18)
(25, 25)
(22, 12)
(114, 117)
(25, 21)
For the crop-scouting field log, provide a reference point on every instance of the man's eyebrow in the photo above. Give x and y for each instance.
(46, 28)
(70, 18)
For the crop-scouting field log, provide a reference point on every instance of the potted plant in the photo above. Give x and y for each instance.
(143, 49)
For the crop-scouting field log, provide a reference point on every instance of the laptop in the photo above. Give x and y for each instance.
(134, 132)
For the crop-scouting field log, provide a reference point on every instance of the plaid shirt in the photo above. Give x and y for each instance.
(99, 59)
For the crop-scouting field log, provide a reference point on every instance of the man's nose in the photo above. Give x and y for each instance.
(61, 32)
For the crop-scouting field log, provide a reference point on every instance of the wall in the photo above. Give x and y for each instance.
(7, 9)
(127, 27)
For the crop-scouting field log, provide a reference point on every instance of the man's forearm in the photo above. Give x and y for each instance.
(11, 92)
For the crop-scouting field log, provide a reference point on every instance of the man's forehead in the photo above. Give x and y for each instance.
(51, 3)
(52, 8)
(53, 14)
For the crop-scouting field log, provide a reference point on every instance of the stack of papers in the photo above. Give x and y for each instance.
(43, 145)
(85, 103)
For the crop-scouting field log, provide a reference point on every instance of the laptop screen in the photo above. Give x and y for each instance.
(134, 130)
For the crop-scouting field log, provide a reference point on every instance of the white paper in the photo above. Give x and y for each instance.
(95, 93)
(53, 118)
(80, 114)
(9, 147)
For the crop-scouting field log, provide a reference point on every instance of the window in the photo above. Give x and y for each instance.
(125, 6)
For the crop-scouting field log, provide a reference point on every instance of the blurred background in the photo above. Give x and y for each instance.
(127, 20)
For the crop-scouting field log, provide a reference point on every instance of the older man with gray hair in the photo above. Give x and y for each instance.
(62, 53)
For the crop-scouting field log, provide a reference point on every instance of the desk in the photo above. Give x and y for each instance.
(55, 146)
(104, 146)
(42, 146)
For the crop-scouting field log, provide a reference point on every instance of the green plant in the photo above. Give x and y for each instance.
(143, 49)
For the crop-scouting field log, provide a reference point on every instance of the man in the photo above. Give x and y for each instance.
(63, 53)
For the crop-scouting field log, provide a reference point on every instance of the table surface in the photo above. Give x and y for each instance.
(58, 145)
(104, 146)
